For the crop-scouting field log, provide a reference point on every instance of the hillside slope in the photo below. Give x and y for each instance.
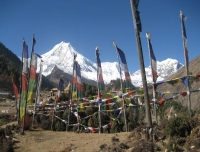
(194, 68)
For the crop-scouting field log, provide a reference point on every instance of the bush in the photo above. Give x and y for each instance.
(42, 118)
(179, 126)
(1, 122)
(37, 119)
(8, 131)
(46, 125)
(142, 113)
(6, 145)
(115, 128)
(57, 126)
(65, 115)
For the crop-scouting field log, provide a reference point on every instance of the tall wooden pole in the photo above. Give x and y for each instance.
(184, 37)
(148, 36)
(38, 90)
(98, 96)
(142, 67)
(77, 97)
(123, 100)
(71, 94)
(20, 87)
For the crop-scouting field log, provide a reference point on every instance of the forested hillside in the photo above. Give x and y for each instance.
(9, 66)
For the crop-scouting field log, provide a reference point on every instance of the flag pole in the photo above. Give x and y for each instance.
(148, 36)
(32, 50)
(23, 123)
(70, 108)
(15, 89)
(142, 68)
(20, 87)
(60, 86)
(120, 71)
(98, 97)
(77, 97)
(38, 90)
(184, 37)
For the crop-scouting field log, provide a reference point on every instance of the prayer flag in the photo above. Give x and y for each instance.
(100, 80)
(153, 62)
(185, 80)
(24, 87)
(15, 89)
(79, 86)
(185, 42)
(60, 86)
(76, 82)
(33, 43)
(126, 72)
(32, 79)
(137, 23)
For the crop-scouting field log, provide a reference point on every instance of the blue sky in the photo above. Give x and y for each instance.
(90, 23)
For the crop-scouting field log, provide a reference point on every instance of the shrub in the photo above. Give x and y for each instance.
(57, 126)
(42, 118)
(90, 122)
(115, 128)
(6, 145)
(173, 146)
(142, 113)
(1, 122)
(37, 119)
(8, 131)
(46, 125)
(74, 129)
(179, 126)
(65, 115)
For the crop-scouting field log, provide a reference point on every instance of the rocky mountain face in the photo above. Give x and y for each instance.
(56, 73)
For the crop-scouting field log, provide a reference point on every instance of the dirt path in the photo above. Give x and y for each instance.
(51, 141)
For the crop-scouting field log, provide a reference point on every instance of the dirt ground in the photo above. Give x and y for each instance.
(51, 141)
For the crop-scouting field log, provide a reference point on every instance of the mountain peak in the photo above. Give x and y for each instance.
(62, 56)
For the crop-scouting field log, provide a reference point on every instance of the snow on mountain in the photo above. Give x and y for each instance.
(164, 70)
(62, 55)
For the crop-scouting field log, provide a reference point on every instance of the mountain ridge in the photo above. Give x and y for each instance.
(62, 54)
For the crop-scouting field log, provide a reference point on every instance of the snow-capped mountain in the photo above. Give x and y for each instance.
(164, 70)
(62, 55)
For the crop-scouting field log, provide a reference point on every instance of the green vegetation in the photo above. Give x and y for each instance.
(179, 126)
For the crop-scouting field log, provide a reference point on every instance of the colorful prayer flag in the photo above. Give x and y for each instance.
(185, 42)
(174, 81)
(100, 80)
(39, 81)
(24, 87)
(32, 79)
(126, 72)
(79, 86)
(60, 86)
(153, 62)
(185, 80)
(15, 89)
(33, 43)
